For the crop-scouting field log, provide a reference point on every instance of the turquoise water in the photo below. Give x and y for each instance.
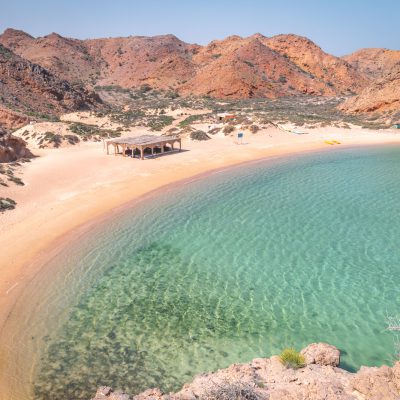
(227, 268)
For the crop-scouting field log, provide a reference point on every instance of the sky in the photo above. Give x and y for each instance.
(338, 26)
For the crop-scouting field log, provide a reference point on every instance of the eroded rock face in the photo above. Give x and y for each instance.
(382, 95)
(267, 378)
(378, 383)
(33, 90)
(10, 119)
(373, 63)
(12, 148)
(321, 354)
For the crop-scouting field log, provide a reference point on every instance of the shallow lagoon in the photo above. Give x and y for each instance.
(223, 269)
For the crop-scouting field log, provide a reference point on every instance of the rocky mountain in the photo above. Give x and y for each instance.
(269, 379)
(66, 58)
(383, 95)
(336, 73)
(28, 89)
(246, 68)
(373, 63)
(235, 67)
(55, 69)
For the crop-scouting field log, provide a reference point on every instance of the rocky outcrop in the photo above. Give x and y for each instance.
(381, 96)
(12, 148)
(377, 383)
(321, 354)
(338, 75)
(10, 119)
(373, 63)
(269, 379)
(29, 89)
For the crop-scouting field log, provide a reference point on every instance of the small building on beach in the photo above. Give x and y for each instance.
(129, 146)
(223, 117)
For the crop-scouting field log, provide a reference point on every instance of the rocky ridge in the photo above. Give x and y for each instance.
(382, 96)
(374, 63)
(235, 67)
(28, 89)
(269, 379)
(59, 73)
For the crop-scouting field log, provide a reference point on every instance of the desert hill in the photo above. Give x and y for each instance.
(383, 95)
(29, 89)
(235, 67)
(49, 75)
(373, 63)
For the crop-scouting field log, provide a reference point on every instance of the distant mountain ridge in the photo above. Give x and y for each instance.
(232, 68)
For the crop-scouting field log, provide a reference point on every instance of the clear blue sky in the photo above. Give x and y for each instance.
(338, 26)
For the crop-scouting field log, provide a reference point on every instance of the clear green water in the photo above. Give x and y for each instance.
(230, 267)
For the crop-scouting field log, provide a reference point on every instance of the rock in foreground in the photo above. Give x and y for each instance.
(267, 378)
(12, 148)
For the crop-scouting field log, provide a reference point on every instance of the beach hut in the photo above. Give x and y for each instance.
(141, 143)
(225, 116)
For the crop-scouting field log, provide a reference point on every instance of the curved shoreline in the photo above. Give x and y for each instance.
(69, 235)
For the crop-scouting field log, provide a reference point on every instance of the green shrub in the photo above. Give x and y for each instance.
(16, 180)
(291, 358)
(91, 132)
(72, 139)
(158, 122)
(6, 204)
(199, 135)
(192, 118)
(228, 129)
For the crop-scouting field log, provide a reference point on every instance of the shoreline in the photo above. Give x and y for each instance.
(66, 235)
(25, 268)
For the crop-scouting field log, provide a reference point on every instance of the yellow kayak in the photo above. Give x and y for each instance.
(328, 142)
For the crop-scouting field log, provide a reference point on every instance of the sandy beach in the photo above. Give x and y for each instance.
(67, 190)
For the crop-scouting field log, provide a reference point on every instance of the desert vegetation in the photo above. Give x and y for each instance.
(138, 107)
(8, 173)
(6, 204)
(231, 391)
(92, 132)
(291, 358)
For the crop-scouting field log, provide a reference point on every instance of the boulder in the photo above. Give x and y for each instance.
(150, 394)
(12, 148)
(321, 354)
(381, 383)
